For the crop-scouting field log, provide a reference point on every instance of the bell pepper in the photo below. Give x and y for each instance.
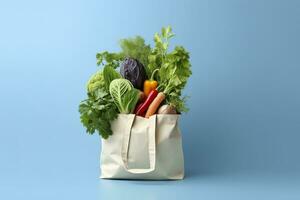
(142, 108)
(150, 84)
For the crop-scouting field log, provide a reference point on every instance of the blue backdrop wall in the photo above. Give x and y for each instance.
(244, 107)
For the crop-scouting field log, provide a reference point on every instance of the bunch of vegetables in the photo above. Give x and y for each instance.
(149, 81)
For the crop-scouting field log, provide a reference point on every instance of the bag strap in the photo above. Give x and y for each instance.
(151, 145)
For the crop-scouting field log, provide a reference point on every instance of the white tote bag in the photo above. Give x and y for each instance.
(142, 148)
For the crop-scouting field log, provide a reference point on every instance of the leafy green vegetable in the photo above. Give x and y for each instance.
(159, 52)
(174, 68)
(124, 95)
(109, 74)
(97, 112)
(109, 59)
(130, 100)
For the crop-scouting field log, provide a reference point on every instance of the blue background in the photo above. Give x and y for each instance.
(241, 136)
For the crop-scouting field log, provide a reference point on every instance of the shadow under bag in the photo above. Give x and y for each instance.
(142, 148)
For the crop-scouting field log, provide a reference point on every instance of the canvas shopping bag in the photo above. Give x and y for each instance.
(142, 148)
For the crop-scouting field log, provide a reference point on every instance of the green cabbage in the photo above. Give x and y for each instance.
(124, 95)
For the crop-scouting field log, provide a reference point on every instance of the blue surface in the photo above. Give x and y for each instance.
(241, 136)
(195, 187)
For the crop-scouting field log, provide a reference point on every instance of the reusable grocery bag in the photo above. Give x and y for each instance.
(142, 148)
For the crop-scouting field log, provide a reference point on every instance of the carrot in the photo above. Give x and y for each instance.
(155, 104)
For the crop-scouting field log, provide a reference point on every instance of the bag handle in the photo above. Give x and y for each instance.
(151, 145)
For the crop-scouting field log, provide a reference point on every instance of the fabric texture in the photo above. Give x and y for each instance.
(142, 148)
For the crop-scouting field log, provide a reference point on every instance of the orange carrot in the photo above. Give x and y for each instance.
(155, 104)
